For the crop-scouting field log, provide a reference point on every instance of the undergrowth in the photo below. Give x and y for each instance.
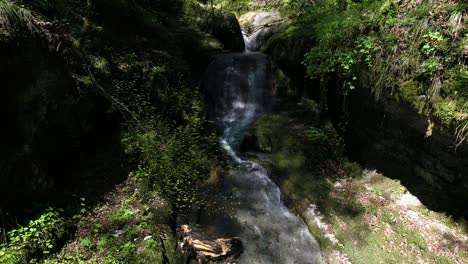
(39, 237)
(359, 208)
(414, 52)
(162, 127)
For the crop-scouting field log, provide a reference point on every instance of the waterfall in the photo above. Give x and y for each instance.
(238, 85)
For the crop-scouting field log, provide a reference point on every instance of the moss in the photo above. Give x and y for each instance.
(446, 111)
(150, 249)
(407, 54)
(410, 92)
(456, 82)
(324, 242)
(240, 7)
(306, 153)
(387, 188)
(211, 44)
(268, 130)
(430, 68)
(359, 206)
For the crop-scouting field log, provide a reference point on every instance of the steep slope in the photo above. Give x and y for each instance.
(99, 93)
(390, 76)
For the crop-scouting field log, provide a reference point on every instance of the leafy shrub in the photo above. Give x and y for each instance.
(35, 239)
(86, 243)
(122, 215)
(169, 136)
(433, 42)
(390, 46)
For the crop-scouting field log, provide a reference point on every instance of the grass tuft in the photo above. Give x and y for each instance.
(14, 17)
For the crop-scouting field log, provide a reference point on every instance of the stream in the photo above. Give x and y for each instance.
(240, 88)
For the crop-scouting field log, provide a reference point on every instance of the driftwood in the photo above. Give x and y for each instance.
(219, 250)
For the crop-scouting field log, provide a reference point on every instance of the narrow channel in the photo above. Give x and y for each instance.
(239, 85)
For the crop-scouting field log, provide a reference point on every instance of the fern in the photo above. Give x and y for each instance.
(14, 18)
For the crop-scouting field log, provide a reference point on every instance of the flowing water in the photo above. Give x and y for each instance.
(238, 86)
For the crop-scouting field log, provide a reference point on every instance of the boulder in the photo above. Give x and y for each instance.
(221, 25)
(227, 30)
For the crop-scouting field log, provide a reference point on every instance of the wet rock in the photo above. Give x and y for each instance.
(259, 27)
(249, 143)
(228, 71)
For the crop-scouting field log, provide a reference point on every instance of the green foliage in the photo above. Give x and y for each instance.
(431, 67)
(127, 250)
(122, 215)
(150, 250)
(8, 256)
(433, 42)
(15, 18)
(445, 111)
(86, 243)
(303, 149)
(237, 6)
(319, 62)
(176, 161)
(163, 124)
(82, 210)
(38, 237)
(101, 65)
(456, 82)
(390, 46)
(104, 241)
(366, 47)
(410, 92)
(240, 7)
(169, 138)
(338, 48)
(70, 259)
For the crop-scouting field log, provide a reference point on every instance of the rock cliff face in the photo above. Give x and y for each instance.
(387, 135)
(287, 53)
(393, 138)
(56, 119)
(227, 30)
(47, 125)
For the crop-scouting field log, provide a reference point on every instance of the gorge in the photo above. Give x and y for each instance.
(240, 83)
(327, 131)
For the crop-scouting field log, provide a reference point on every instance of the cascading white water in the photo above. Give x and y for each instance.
(262, 26)
(246, 41)
(269, 231)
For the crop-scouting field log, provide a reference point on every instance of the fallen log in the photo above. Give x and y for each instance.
(220, 250)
